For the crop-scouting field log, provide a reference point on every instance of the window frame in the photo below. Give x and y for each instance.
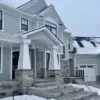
(51, 27)
(24, 24)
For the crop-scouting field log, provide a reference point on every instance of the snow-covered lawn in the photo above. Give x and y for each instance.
(86, 88)
(26, 97)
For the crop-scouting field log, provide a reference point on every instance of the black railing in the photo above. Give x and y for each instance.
(79, 73)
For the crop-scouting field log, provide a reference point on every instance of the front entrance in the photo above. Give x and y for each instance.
(42, 64)
(15, 63)
(89, 72)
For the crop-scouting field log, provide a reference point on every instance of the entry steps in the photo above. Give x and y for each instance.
(61, 91)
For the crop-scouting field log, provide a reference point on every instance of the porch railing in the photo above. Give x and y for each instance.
(80, 74)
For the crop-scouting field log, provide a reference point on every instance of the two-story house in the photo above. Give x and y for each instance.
(32, 41)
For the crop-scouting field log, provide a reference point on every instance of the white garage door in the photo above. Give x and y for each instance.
(89, 72)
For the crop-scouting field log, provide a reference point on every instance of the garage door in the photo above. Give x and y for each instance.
(89, 72)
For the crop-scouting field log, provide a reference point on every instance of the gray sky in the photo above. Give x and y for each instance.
(82, 17)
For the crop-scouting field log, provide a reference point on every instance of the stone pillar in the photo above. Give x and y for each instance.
(54, 68)
(24, 73)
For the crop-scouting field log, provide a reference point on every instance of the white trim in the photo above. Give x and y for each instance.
(45, 64)
(59, 60)
(20, 19)
(16, 50)
(1, 59)
(47, 32)
(11, 65)
(20, 24)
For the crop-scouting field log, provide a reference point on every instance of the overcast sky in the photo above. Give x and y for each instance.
(82, 17)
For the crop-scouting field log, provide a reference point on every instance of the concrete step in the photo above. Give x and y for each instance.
(83, 95)
(48, 84)
(94, 98)
(51, 88)
(65, 91)
(53, 91)
(9, 88)
(44, 80)
(53, 94)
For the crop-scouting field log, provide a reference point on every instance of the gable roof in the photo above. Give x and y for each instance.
(43, 29)
(54, 12)
(33, 6)
(30, 2)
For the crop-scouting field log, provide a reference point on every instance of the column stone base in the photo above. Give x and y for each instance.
(56, 74)
(25, 76)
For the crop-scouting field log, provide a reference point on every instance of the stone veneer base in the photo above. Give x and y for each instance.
(25, 76)
(56, 74)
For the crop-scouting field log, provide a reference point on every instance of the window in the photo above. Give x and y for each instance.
(0, 20)
(90, 66)
(63, 56)
(52, 27)
(24, 24)
(69, 46)
(82, 66)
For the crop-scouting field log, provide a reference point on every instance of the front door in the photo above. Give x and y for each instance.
(15, 63)
(47, 64)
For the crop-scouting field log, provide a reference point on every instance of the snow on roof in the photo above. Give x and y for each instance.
(88, 48)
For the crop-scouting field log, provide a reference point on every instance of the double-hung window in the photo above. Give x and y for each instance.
(52, 27)
(0, 20)
(24, 24)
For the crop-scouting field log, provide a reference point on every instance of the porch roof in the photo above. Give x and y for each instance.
(4, 37)
(46, 30)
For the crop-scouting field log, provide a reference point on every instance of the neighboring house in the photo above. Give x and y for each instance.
(33, 41)
(87, 61)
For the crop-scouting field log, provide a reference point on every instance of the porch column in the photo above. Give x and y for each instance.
(54, 65)
(54, 68)
(24, 73)
(24, 57)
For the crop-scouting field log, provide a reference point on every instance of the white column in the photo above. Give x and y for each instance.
(54, 60)
(24, 57)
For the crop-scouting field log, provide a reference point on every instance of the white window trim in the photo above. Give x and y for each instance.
(45, 63)
(52, 23)
(2, 21)
(1, 59)
(20, 24)
(11, 65)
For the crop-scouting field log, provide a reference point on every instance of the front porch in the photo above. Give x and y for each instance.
(39, 57)
(40, 52)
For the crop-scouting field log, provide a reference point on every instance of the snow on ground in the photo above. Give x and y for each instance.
(26, 97)
(86, 88)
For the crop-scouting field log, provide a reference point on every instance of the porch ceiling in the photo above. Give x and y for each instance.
(43, 35)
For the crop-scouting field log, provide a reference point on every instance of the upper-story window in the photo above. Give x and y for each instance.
(0, 20)
(52, 27)
(24, 24)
